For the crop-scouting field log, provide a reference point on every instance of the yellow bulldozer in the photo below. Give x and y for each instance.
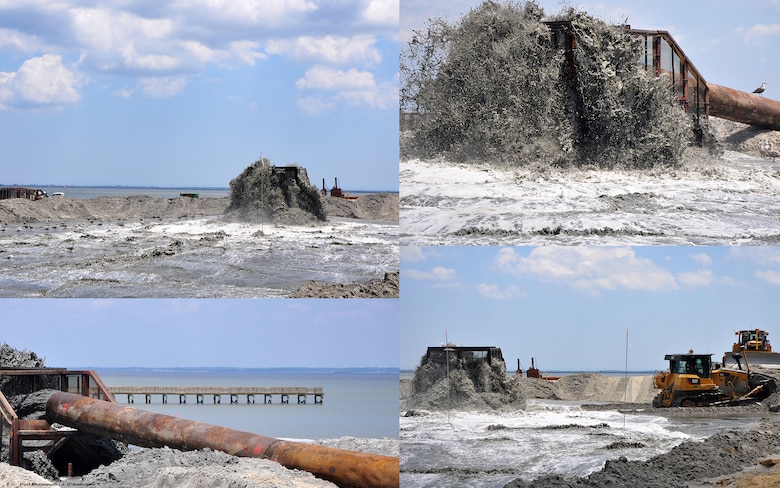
(691, 381)
(754, 345)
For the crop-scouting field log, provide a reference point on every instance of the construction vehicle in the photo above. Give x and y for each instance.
(754, 346)
(691, 381)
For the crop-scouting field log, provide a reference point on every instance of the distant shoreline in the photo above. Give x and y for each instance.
(154, 187)
(196, 369)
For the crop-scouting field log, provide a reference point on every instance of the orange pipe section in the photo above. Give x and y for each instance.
(146, 429)
(739, 106)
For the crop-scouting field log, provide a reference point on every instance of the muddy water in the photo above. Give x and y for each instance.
(188, 258)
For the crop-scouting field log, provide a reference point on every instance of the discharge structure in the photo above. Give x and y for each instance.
(147, 429)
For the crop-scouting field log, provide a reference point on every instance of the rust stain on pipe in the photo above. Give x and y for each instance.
(147, 429)
(739, 106)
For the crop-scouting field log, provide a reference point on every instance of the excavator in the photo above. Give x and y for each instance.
(691, 381)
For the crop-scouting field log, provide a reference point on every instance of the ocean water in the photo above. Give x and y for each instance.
(490, 449)
(360, 404)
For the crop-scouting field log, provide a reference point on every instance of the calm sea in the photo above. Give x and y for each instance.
(359, 404)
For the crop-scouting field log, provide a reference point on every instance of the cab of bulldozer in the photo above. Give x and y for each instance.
(694, 364)
(754, 339)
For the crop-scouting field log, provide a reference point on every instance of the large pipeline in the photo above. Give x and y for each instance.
(147, 429)
(739, 106)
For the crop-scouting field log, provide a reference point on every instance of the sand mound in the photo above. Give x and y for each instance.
(735, 136)
(16, 477)
(164, 467)
(386, 287)
(19, 210)
(374, 206)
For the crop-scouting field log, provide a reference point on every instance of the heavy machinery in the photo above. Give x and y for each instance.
(754, 346)
(691, 381)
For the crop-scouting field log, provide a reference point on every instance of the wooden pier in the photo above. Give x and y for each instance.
(283, 393)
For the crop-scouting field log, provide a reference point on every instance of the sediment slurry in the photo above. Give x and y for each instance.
(726, 200)
(144, 246)
(276, 194)
(463, 385)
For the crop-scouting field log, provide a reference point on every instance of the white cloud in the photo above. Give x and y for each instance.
(770, 276)
(353, 87)
(696, 278)
(495, 292)
(328, 49)
(589, 268)
(757, 34)
(246, 12)
(326, 78)
(412, 254)
(763, 255)
(175, 41)
(702, 259)
(382, 12)
(438, 273)
(41, 81)
(18, 41)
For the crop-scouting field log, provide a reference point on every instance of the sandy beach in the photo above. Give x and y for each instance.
(181, 247)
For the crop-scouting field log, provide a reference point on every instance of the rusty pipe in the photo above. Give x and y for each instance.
(148, 429)
(739, 106)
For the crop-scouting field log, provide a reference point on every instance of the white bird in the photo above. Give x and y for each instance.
(761, 88)
(767, 150)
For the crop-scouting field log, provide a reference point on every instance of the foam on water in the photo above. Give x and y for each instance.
(197, 257)
(728, 201)
(550, 437)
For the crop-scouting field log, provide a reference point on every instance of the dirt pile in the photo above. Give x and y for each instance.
(157, 468)
(16, 477)
(267, 193)
(373, 206)
(747, 139)
(500, 85)
(470, 385)
(386, 287)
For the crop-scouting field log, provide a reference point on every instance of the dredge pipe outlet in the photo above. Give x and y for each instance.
(147, 429)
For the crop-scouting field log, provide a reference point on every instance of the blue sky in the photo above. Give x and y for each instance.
(569, 307)
(205, 333)
(189, 93)
(731, 43)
